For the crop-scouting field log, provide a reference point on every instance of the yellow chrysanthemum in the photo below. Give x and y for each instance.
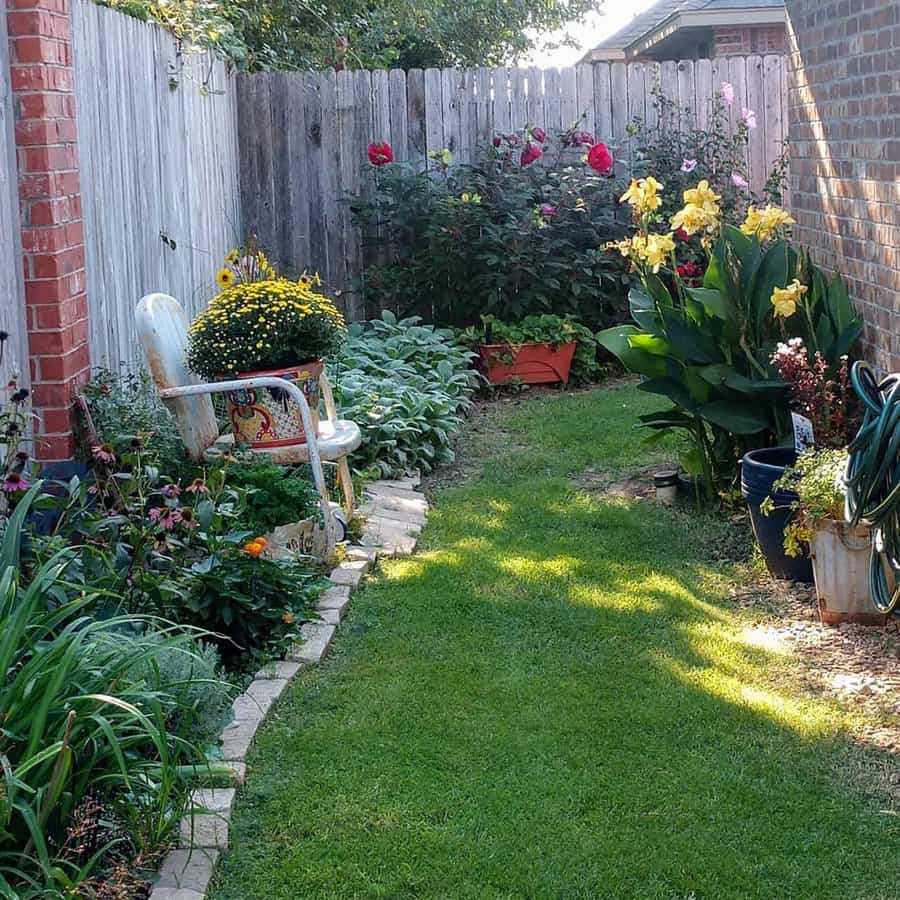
(765, 222)
(785, 300)
(643, 195)
(693, 219)
(704, 197)
(225, 278)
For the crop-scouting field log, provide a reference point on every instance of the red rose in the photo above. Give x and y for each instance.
(583, 139)
(530, 154)
(380, 153)
(497, 140)
(682, 235)
(548, 210)
(600, 159)
(539, 135)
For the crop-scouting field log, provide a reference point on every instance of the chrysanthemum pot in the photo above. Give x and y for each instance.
(529, 363)
(264, 418)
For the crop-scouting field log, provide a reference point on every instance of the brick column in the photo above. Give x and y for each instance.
(42, 79)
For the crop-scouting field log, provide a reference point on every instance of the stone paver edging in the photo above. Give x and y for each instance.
(395, 514)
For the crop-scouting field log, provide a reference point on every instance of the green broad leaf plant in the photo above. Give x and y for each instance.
(706, 341)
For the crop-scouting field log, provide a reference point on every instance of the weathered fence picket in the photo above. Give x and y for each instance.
(303, 137)
(157, 147)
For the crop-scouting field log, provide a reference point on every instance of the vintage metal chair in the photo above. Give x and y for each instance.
(162, 327)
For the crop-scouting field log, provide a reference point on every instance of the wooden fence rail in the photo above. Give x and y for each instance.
(303, 137)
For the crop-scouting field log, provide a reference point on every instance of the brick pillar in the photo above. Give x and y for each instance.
(43, 89)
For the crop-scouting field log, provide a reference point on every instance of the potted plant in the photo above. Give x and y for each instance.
(841, 553)
(537, 350)
(263, 324)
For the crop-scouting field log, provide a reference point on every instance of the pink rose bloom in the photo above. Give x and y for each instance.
(739, 181)
(531, 154)
(728, 92)
(688, 165)
(749, 118)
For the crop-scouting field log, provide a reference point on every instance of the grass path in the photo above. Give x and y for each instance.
(550, 701)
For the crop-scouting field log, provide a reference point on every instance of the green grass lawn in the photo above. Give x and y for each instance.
(552, 700)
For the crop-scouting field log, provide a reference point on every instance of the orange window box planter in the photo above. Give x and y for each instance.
(529, 363)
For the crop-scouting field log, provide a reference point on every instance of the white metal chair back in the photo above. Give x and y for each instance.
(162, 326)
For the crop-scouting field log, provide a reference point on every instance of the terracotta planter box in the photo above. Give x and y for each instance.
(262, 419)
(530, 363)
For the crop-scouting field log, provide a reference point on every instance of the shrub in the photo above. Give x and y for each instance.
(507, 236)
(407, 385)
(273, 496)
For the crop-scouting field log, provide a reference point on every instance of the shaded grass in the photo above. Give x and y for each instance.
(549, 701)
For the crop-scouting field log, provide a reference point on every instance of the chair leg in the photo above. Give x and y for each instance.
(346, 481)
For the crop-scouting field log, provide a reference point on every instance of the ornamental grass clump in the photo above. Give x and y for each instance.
(262, 321)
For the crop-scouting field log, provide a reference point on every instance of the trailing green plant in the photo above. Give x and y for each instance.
(543, 329)
(408, 386)
(75, 719)
(273, 496)
(709, 348)
(518, 233)
(818, 478)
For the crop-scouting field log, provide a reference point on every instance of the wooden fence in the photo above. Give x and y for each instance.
(157, 145)
(12, 291)
(303, 136)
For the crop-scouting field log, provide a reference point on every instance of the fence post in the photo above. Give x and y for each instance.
(43, 89)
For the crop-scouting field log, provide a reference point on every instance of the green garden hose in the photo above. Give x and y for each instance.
(873, 480)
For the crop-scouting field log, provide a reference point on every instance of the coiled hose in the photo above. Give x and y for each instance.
(873, 480)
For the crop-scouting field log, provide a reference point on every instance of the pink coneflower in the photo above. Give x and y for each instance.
(187, 518)
(165, 517)
(197, 486)
(15, 481)
(104, 453)
(171, 490)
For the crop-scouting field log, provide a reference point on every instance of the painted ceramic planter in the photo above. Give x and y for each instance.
(306, 538)
(265, 418)
(530, 363)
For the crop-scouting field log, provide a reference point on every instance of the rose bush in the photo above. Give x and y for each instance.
(520, 232)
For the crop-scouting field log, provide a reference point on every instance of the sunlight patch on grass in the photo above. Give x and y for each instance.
(536, 569)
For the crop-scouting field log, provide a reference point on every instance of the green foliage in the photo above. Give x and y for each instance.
(299, 34)
(498, 238)
(818, 480)
(124, 406)
(544, 329)
(254, 604)
(273, 495)
(709, 349)
(407, 386)
(77, 717)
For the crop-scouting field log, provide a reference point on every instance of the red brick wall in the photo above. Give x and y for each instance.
(731, 40)
(844, 104)
(42, 82)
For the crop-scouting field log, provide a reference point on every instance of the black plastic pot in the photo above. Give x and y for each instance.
(760, 469)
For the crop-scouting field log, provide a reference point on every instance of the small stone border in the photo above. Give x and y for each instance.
(395, 515)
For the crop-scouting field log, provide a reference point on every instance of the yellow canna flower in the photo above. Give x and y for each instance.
(643, 195)
(785, 300)
(657, 250)
(694, 218)
(765, 222)
(704, 197)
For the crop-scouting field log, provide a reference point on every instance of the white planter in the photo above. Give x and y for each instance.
(306, 537)
(841, 557)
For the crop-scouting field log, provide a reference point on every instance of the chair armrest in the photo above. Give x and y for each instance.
(330, 409)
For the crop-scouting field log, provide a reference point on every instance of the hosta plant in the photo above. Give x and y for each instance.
(709, 349)
(408, 386)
